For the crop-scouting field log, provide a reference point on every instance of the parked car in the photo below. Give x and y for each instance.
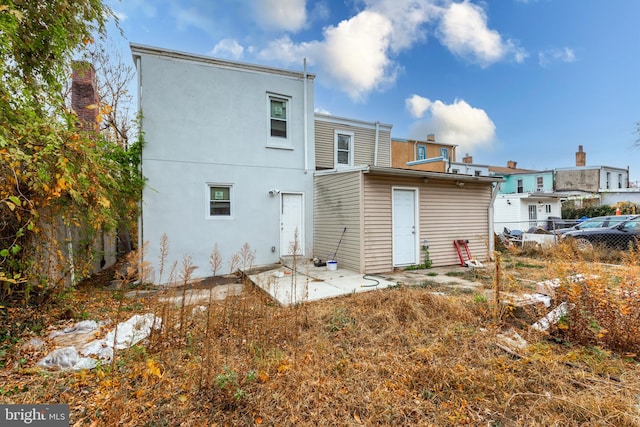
(597, 222)
(622, 235)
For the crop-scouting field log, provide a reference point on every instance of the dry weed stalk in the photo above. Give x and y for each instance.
(215, 261)
(164, 253)
(497, 278)
(123, 278)
(187, 271)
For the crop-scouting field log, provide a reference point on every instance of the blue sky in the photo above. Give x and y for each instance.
(523, 80)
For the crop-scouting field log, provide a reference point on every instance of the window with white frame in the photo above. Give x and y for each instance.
(278, 116)
(422, 152)
(520, 186)
(539, 183)
(444, 153)
(608, 183)
(619, 180)
(219, 200)
(477, 173)
(547, 209)
(343, 148)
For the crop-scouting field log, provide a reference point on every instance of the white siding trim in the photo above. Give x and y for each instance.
(352, 147)
(207, 198)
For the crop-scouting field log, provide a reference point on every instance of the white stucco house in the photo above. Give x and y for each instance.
(228, 157)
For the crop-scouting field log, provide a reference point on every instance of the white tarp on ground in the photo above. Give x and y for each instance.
(127, 334)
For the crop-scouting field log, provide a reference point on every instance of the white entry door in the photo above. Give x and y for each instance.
(404, 226)
(533, 215)
(291, 221)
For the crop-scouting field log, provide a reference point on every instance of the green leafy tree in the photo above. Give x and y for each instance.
(51, 171)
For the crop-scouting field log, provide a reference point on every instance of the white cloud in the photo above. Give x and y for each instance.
(191, 17)
(353, 55)
(464, 31)
(550, 56)
(357, 54)
(286, 51)
(417, 105)
(322, 111)
(228, 48)
(287, 15)
(458, 123)
(408, 19)
(120, 16)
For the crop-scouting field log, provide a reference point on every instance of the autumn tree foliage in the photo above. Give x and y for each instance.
(51, 171)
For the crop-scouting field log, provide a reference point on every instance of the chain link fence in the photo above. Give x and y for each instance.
(611, 233)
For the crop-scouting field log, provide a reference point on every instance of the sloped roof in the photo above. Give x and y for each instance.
(509, 171)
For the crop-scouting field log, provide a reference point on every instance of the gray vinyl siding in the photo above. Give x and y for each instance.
(324, 144)
(364, 144)
(384, 149)
(449, 213)
(446, 213)
(378, 255)
(336, 206)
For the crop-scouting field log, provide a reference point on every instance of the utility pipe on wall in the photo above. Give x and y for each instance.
(305, 123)
(492, 239)
(140, 217)
(375, 153)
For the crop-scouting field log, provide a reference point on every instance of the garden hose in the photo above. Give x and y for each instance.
(369, 277)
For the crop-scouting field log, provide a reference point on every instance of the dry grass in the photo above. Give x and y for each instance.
(400, 356)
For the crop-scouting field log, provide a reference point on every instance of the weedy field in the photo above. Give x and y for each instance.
(399, 356)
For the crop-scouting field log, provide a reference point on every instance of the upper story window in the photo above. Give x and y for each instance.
(279, 118)
(444, 153)
(539, 183)
(422, 152)
(608, 183)
(520, 186)
(619, 180)
(547, 209)
(219, 200)
(455, 171)
(343, 148)
(477, 173)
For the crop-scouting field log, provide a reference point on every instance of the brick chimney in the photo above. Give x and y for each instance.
(84, 95)
(511, 164)
(581, 157)
(431, 137)
(467, 159)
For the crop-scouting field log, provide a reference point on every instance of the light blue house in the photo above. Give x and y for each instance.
(526, 199)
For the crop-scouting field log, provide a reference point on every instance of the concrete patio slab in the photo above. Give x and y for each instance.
(306, 282)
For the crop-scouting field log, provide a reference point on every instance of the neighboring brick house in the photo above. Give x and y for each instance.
(427, 155)
(605, 185)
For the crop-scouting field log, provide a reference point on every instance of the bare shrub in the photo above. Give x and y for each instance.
(604, 307)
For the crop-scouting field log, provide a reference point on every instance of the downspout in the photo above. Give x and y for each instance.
(492, 237)
(140, 218)
(375, 153)
(305, 121)
(415, 152)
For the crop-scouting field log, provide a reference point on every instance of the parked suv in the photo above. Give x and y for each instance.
(597, 222)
